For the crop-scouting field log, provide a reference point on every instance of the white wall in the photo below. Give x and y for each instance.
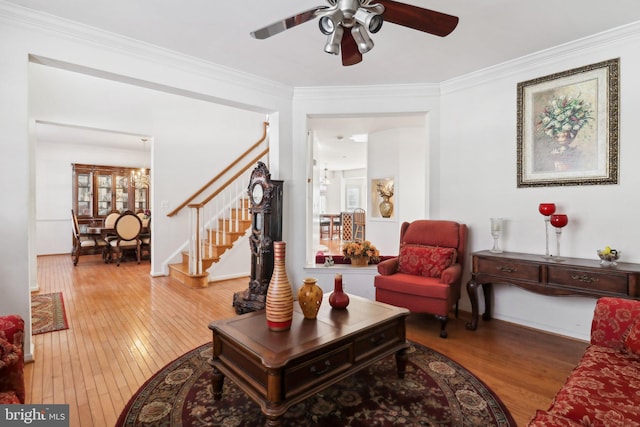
(37, 38)
(401, 154)
(478, 177)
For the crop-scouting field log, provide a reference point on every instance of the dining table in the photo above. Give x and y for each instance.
(330, 218)
(105, 233)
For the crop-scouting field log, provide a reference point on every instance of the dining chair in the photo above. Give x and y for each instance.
(110, 222)
(127, 227)
(145, 237)
(83, 244)
(325, 227)
(336, 226)
(359, 221)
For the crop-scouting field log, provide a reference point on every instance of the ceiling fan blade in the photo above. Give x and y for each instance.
(425, 20)
(285, 24)
(350, 53)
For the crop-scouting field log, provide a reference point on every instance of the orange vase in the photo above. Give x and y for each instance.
(310, 298)
(279, 304)
(338, 299)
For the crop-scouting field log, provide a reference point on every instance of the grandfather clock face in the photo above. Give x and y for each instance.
(257, 193)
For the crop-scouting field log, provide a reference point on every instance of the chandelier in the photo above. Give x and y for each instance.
(140, 178)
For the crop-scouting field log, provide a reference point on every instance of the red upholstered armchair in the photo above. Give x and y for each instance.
(426, 276)
(11, 359)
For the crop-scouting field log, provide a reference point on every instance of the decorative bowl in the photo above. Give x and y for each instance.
(609, 257)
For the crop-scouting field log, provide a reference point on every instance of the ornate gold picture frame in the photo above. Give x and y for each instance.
(568, 127)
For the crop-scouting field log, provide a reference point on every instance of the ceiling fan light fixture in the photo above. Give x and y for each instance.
(333, 41)
(360, 35)
(370, 20)
(330, 21)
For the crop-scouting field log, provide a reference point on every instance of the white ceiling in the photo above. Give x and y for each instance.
(490, 32)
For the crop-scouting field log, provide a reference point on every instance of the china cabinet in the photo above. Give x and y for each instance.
(99, 190)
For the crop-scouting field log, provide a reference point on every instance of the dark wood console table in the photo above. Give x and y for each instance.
(573, 276)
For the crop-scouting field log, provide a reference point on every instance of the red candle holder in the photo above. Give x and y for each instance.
(559, 221)
(546, 209)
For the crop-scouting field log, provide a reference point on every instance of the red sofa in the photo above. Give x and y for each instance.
(604, 389)
(11, 359)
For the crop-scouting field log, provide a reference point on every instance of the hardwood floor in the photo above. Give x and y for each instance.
(125, 325)
(333, 247)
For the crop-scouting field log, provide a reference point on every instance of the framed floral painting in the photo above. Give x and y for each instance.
(568, 127)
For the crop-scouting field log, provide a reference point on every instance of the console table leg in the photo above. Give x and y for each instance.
(217, 381)
(472, 290)
(487, 290)
(401, 362)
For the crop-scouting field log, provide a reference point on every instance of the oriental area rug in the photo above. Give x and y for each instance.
(435, 391)
(47, 313)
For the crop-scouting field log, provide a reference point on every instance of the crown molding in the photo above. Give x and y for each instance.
(430, 90)
(48, 24)
(555, 55)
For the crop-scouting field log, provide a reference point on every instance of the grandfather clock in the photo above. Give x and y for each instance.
(265, 198)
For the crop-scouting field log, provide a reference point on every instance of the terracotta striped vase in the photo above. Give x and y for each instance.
(279, 305)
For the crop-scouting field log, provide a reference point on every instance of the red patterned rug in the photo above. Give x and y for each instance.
(436, 391)
(47, 313)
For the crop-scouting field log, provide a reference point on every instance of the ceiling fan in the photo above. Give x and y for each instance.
(347, 24)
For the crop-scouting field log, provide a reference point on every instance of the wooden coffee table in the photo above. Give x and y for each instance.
(279, 369)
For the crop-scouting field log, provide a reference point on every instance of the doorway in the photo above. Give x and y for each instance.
(340, 157)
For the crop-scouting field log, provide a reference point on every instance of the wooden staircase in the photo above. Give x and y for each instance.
(218, 241)
(218, 216)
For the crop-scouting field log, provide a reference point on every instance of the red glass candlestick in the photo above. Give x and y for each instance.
(559, 221)
(546, 209)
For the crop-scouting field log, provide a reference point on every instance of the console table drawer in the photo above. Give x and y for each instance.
(509, 269)
(588, 280)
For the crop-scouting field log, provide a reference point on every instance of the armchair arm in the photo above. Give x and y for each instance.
(612, 318)
(12, 375)
(388, 266)
(451, 274)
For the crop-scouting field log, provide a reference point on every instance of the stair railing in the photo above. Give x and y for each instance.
(265, 127)
(212, 220)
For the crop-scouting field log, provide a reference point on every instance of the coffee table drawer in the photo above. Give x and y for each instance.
(369, 344)
(317, 370)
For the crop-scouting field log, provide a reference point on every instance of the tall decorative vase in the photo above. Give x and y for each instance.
(338, 299)
(386, 207)
(279, 304)
(310, 298)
